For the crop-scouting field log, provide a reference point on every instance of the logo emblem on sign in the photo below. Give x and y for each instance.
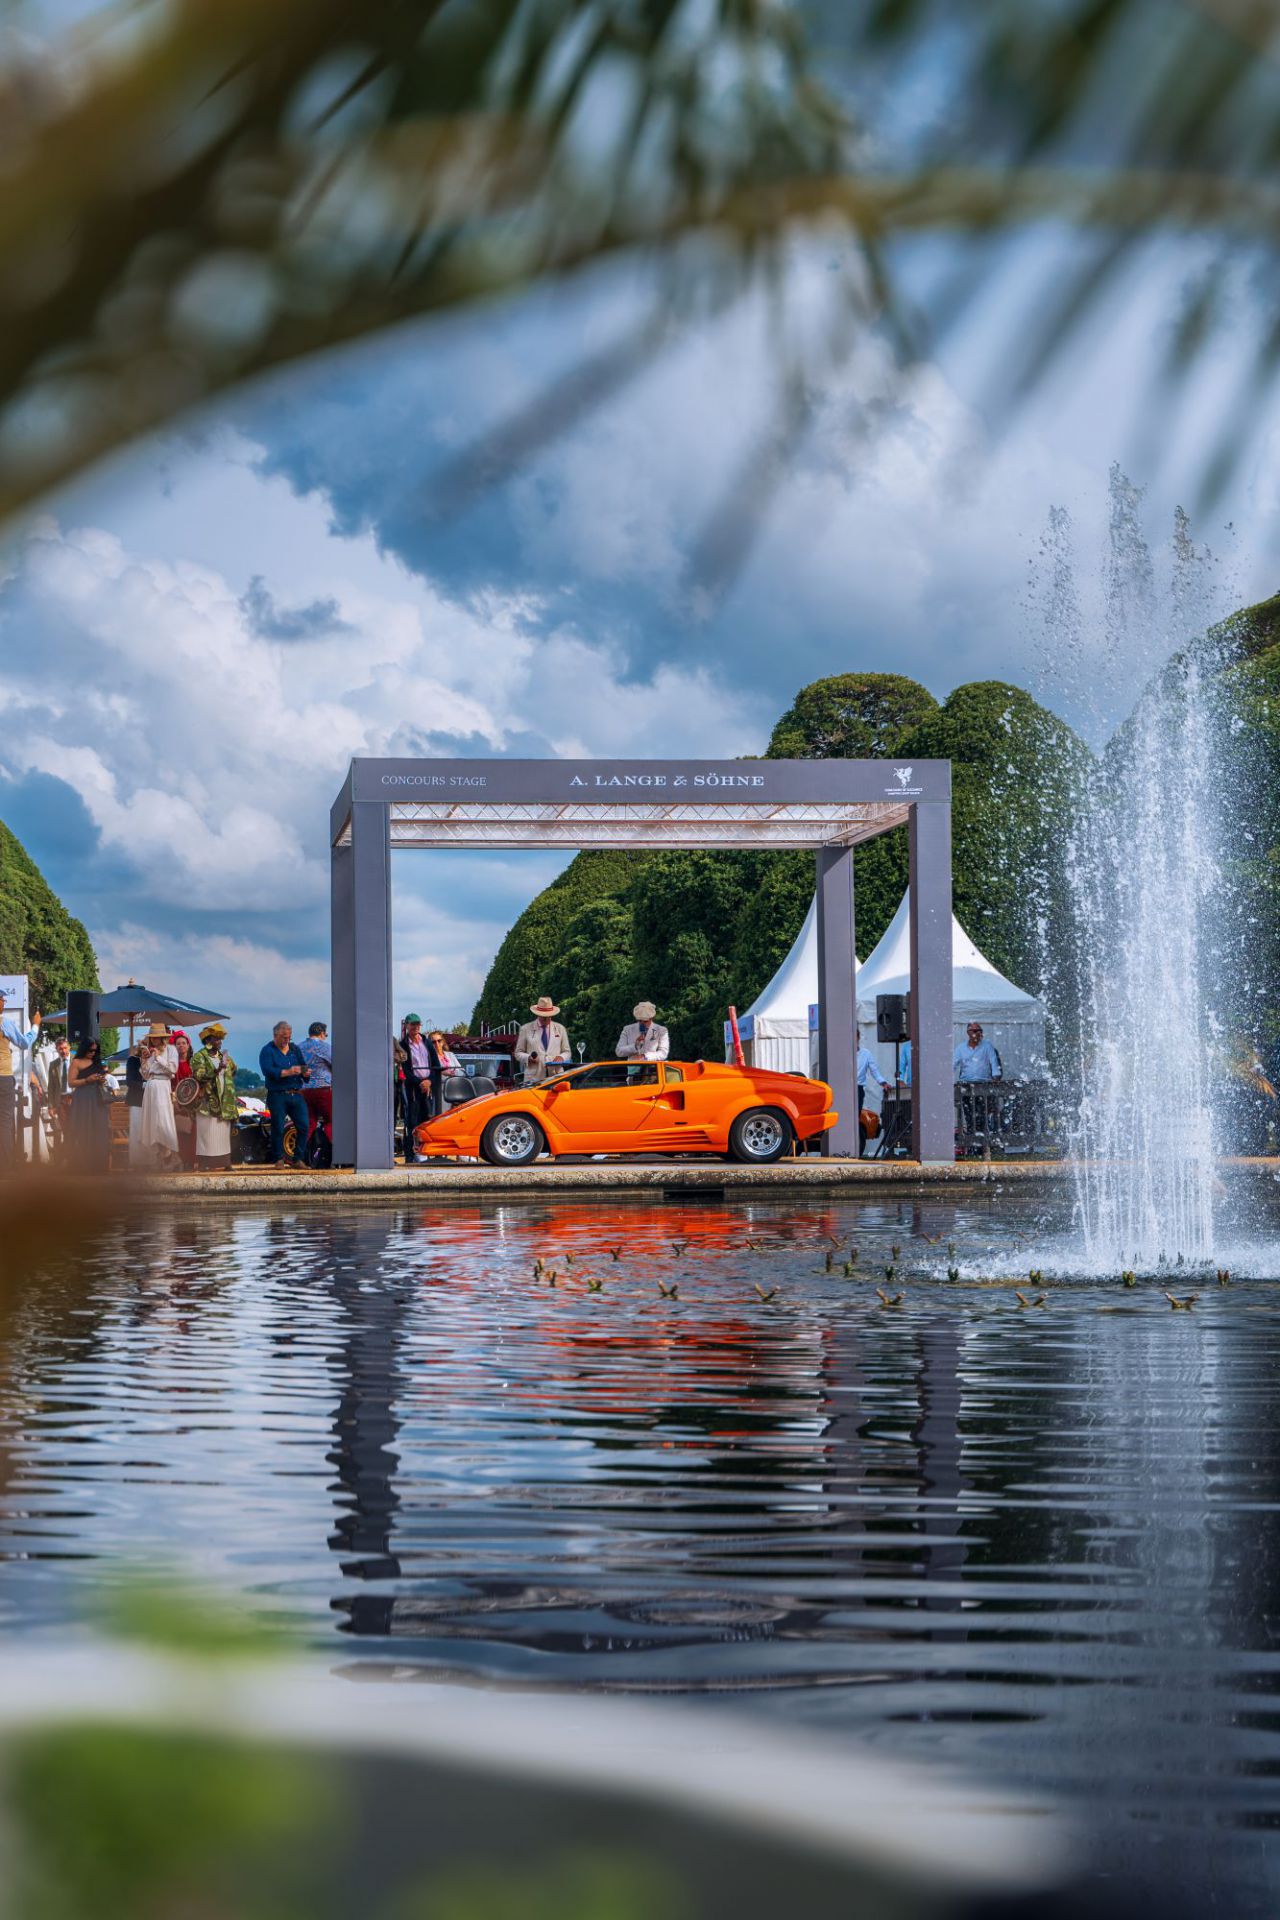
(903, 775)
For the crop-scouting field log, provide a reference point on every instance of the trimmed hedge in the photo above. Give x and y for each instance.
(694, 931)
(38, 936)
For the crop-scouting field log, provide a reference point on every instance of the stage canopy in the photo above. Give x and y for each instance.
(828, 806)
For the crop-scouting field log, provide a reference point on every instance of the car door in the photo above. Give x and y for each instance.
(602, 1107)
(677, 1118)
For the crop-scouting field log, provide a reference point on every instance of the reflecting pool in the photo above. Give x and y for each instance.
(1038, 1542)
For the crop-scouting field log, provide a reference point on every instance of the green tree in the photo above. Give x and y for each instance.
(38, 936)
(532, 958)
(851, 716)
(1016, 773)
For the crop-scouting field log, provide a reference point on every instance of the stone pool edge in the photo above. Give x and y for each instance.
(647, 1177)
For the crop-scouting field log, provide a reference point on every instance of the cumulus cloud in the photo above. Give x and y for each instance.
(899, 535)
(201, 750)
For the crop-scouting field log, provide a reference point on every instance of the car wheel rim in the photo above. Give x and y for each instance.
(762, 1134)
(513, 1138)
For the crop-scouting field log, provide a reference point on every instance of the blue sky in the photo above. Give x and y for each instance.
(198, 636)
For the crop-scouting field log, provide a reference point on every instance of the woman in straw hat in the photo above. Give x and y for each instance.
(215, 1072)
(158, 1132)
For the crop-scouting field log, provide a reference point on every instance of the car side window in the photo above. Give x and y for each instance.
(607, 1074)
(674, 1073)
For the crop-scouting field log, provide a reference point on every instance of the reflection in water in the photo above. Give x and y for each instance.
(1039, 1544)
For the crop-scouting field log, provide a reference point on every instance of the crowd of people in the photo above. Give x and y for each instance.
(181, 1100)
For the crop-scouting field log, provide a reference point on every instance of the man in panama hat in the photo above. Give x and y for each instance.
(644, 1039)
(542, 1045)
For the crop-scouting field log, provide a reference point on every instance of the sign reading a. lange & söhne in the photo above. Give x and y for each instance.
(782, 782)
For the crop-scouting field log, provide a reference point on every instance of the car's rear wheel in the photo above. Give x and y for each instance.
(512, 1140)
(760, 1135)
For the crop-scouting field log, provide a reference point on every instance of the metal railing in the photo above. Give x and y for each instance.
(1002, 1116)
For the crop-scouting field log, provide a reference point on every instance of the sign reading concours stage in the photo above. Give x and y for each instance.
(786, 782)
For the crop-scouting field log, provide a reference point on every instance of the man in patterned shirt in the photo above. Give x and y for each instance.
(317, 1051)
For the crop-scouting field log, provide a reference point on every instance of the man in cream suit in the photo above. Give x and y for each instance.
(542, 1045)
(644, 1039)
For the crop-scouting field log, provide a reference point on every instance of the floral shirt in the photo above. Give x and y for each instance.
(216, 1073)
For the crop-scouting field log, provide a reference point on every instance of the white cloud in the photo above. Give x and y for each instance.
(207, 756)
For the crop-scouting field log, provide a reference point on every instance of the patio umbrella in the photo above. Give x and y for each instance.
(128, 1005)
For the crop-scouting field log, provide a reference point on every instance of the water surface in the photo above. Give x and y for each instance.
(1038, 1543)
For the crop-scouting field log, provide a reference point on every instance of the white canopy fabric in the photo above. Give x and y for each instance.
(1012, 1020)
(775, 1028)
(778, 1032)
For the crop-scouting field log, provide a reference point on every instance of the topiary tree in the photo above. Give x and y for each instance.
(38, 936)
(851, 716)
(533, 959)
(1017, 775)
(694, 931)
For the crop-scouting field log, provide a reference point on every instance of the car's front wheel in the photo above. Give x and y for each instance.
(759, 1135)
(512, 1140)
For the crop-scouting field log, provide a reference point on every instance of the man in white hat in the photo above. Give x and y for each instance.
(542, 1045)
(644, 1039)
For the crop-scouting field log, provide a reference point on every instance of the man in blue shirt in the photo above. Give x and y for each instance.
(285, 1072)
(13, 1044)
(978, 1060)
(867, 1070)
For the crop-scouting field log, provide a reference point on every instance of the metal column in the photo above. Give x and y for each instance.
(361, 945)
(933, 1129)
(837, 995)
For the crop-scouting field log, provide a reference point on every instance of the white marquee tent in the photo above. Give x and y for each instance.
(775, 1028)
(1011, 1019)
(780, 1029)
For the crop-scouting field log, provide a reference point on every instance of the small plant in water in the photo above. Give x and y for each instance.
(1183, 1306)
(890, 1273)
(953, 1274)
(888, 1299)
(1129, 1278)
(1224, 1276)
(1035, 1277)
(1037, 1302)
(669, 1293)
(594, 1286)
(763, 1295)
(894, 1252)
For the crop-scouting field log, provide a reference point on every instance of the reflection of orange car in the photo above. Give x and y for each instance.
(618, 1106)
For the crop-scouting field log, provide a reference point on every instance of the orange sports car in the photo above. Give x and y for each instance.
(620, 1106)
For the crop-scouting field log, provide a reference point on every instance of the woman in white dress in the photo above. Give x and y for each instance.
(158, 1133)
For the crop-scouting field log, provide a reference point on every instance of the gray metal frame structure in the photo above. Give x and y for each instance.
(826, 805)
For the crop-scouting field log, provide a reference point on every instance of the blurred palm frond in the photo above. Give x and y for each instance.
(197, 192)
